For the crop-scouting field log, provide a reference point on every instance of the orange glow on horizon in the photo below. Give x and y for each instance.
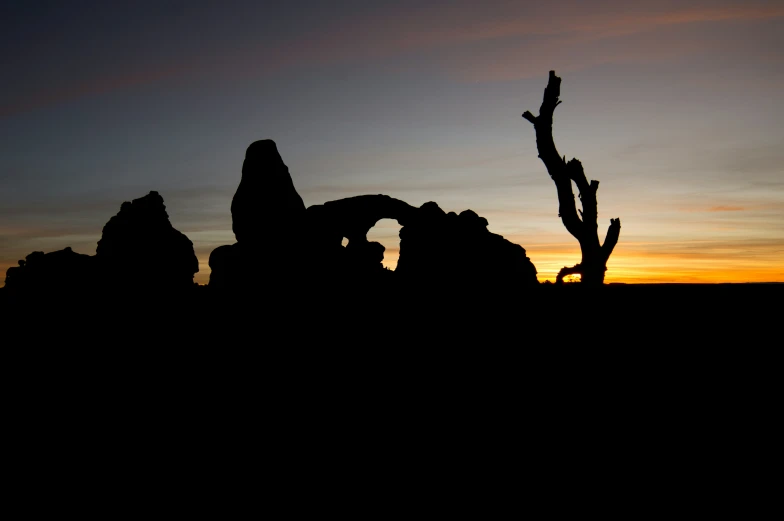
(632, 267)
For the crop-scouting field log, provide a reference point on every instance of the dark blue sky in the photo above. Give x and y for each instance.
(676, 107)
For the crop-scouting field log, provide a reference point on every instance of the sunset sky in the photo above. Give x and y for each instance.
(676, 107)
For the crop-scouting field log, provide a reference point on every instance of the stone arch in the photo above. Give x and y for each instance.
(352, 218)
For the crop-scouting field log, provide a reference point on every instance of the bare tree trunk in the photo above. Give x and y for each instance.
(583, 226)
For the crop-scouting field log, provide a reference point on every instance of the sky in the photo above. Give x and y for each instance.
(676, 107)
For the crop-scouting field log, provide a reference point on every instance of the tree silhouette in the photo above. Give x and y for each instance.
(583, 227)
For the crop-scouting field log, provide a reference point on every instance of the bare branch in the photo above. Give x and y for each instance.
(556, 166)
(551, 92)
(565, 271)
(544, 126)
(611, 239)
(574, 170)
(567, 210)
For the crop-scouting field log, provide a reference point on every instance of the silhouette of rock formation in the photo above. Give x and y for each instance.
(267, 217)
(283, 246)
(352, 218)
(140, 246)
(444, 249)
(266, 206)
(139, 249)
(280, 243)
(54, 271)
(435, 247)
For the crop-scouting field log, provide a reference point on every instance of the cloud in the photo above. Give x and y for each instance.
(90, 87)
(390, 33)
(726, 208)
(529, 42)
(460, 25)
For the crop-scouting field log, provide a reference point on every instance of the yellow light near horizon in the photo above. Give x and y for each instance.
(634, 265)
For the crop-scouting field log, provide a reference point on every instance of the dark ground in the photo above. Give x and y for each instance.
(649, 394)
(552, 340)
(543, 318)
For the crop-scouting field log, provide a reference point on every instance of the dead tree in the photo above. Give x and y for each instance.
(583, 227)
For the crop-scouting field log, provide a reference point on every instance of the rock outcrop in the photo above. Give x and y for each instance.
(436, 248)
(281, 245)
(283, 248)
(448, 249)
(139, 251)
(266, 207)
(139, 246)
(61, 270)
(352, 218)
(267, 217)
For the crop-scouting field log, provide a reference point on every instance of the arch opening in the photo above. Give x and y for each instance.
(387, 233)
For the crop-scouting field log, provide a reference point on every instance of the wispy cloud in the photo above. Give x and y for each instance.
(459, 25)
(89, 87)
(726, 208)
(364, 38)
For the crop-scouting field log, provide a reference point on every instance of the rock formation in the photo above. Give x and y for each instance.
(266, 207)
(280, 244)
(267, 217)
(140, 246)
(283, 248)
(447, 249)
(54, 271)
(352, 218)
(436, 248)
(139, 250)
